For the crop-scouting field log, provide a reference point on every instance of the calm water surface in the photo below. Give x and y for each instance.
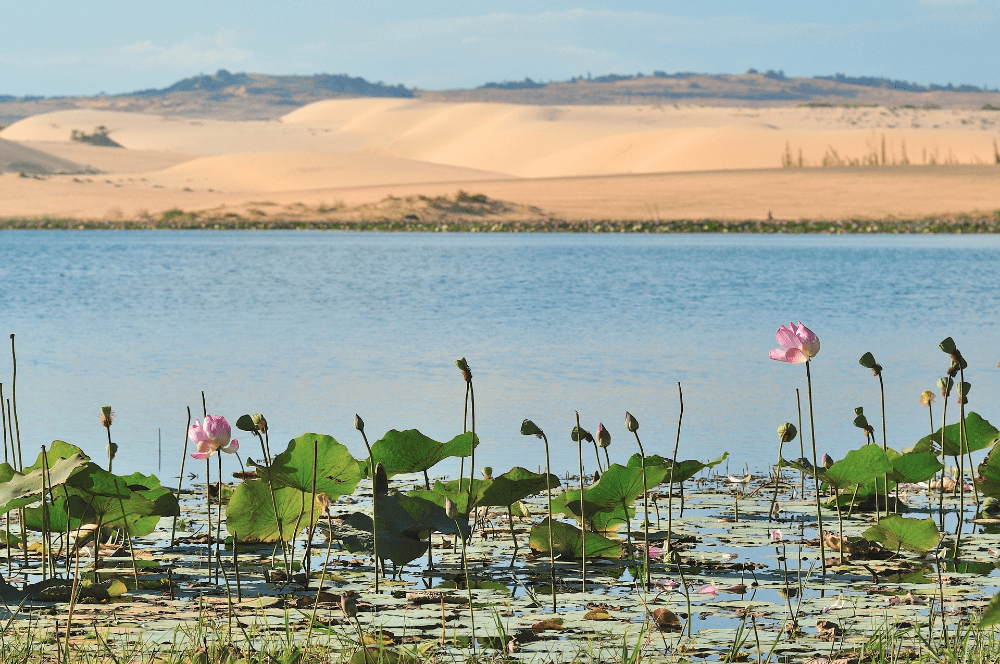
(312, 327)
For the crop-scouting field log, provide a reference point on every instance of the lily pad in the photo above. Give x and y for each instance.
(895, 532)
(251, 512)
(980, 433)
(858, 467)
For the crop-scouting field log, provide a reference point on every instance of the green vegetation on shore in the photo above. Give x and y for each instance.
(179, 220)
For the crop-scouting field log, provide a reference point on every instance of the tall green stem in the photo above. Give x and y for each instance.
(468, 586)
(548, 491)
(645, 512)
(961, 466)
(180, 476)
(13, 396)
(802, 451)
(673, 464)
(583, 516)
(371, 466)
(944, 419)
(812, 435)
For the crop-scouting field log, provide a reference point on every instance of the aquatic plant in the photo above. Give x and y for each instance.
(529, 428)
(800, 345)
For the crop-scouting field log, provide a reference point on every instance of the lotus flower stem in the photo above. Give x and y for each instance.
(583, 517)
(359, 424)
(552, 555)
(3, 418)
(236, 565)
(673, 464)
(472, 456)
(510, 516)
(598, 455)
(812, 437)
(962, 442)
(218, 520)
(802, 451)
(645, 509)
(208, 505)
(322, 577)
(46, 544)
(946, 392)
(312, 510)
(13, 396)
(265, 450)
(468, 586)
(180, 477)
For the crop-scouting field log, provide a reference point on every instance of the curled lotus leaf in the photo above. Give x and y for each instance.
(412, 452)
(567, 541)
(895, 532)
(337, 472)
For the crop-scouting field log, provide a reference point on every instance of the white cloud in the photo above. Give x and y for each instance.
(196, 51)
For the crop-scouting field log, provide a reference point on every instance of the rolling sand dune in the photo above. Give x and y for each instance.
(637, 162)
(15, 157)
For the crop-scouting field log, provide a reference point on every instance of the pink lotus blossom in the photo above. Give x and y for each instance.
(212, 437)
(800, 344)
(708, 590)
(776, 535)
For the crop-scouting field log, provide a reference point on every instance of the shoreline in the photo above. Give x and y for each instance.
(952, 225)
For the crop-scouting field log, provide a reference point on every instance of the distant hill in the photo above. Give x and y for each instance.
(243, 96)
(771, 88)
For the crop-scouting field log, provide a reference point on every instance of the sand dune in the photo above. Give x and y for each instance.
(291, 171)
(574, 161)
(15, 157)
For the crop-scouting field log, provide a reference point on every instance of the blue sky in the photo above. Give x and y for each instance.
(58, 47)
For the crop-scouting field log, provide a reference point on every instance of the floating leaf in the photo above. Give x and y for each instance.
(567, 541)
(895, 532)
(597, 614)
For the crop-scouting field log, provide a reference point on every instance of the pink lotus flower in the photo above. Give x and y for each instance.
(800, 344)
(212, 437)
(708, 590)
(776, 535)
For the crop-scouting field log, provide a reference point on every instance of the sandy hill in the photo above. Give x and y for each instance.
(18, 158)
(573, 161)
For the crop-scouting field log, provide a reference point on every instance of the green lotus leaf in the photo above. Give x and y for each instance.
(991, 616)
(915, 467)
(400, 548)
(455, 490)
(59, 449)
(411, 451)
(858, 467)
(980, 433)
(92, 480)
(684, 470)
(337, 472)
(895, 532)
(250, 513)
(989, 473)
(567, 541)
(17, 490)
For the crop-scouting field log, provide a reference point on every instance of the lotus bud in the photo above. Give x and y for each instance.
(381, 481)
(450, 509)
(348, 605)
(868, 361)
(463, 366)
(948, 346)
(631, 423)
(359, 423)
(963, 392)
(529, 428)
(107, 415)
(580, 433)
(259, 422)
(603, 436)
(945, 384)
(787, 432)
(926, 398)
(827, 461)
(487, 473)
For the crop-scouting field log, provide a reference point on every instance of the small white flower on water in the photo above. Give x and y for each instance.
(726, 557)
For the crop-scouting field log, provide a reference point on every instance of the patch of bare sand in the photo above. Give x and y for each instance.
(576, 162)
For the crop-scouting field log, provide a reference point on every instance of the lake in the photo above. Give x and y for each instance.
(312, 327)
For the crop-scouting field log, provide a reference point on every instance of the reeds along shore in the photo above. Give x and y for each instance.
(964, 224)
